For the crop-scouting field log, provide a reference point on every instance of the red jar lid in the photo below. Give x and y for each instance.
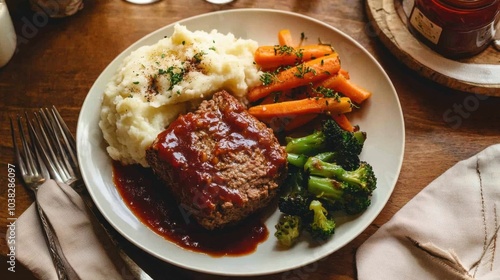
(468, 4)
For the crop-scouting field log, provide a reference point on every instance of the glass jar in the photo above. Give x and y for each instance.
(455, 28)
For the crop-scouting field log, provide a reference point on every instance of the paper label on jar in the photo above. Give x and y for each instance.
(425, 26)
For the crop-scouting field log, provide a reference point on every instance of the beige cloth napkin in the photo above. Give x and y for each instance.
(450, 230)
(85, 246)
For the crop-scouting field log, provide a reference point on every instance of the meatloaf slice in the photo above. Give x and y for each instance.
(220, 162)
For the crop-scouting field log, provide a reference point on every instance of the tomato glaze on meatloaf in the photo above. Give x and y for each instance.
(220, 162)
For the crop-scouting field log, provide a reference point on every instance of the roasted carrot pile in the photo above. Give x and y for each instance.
(302, 82)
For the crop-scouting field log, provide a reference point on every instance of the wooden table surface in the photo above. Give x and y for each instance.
(58, 60)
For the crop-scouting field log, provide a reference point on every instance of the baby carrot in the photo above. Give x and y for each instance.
(288, 123)
(345, 73)
(299, 121)
(285, 37)
(345, 86)
(269, 57)
(343, 122)
(314, 105)
(300, 75)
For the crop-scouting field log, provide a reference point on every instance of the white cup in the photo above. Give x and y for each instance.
(8, 38)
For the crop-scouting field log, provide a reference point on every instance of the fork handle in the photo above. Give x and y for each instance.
(63, 269)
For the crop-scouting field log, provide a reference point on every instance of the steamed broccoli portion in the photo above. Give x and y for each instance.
(288, 230)
(344, 146)
(321, 226)
(325, 175)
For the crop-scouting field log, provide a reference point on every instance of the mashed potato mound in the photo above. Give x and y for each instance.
(156, 83)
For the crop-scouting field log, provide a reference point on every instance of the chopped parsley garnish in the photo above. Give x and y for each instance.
(176, 75)
(302, 70)
(327, 92)
(199, 56)
(267, 78)
(285, 50)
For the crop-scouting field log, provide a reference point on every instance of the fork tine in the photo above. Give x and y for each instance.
(32, 150)
(59, 139)
(66, 134)
(41, 140)
(26, 152)
(27, 158)
(32, 160)
(57, 154)
(17, 154)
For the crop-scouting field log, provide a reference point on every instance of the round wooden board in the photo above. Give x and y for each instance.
(388, 18)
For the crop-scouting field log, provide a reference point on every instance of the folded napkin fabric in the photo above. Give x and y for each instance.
(450, 230)
(85, 246)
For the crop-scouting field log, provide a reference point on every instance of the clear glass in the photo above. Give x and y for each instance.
(141, 1)
(8, 39)
(219, 1)
(152, 1)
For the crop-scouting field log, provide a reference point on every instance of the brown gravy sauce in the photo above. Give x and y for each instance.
(155, 207)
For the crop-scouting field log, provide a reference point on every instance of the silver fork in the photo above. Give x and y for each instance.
(57, 147)
(58, 150)
(34, 174)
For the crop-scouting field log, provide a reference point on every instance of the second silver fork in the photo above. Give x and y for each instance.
(57, 147)
(34, 174)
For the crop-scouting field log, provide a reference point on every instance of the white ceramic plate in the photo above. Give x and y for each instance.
(381, 117)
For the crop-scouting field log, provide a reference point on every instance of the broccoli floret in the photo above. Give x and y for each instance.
(300, 160)
(341, 139)
(296, 199)
(321, 226)
(288, 229)
(345, 145)
(297, 160)
(306, 145)
(363, 177)
(348, 190)
(338, 195)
